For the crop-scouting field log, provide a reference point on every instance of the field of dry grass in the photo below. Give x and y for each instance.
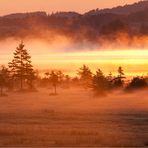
(74, 118)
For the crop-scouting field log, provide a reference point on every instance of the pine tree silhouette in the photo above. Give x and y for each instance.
(85, 76)
(121, 72)
(21, 67)
(100, 83)
(119, 80)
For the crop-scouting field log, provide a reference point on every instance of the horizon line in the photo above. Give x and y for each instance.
(79, 12)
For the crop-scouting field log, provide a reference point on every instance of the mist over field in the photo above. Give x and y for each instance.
(75, 80)
(119, 27)
(74, 118)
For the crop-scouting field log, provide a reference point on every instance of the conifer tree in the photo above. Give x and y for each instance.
(121, 72)
(85, 76)
(100, 82)
(119, 80)
(21, 68)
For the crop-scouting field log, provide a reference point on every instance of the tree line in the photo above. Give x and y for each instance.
(100, 28)
(20, 75)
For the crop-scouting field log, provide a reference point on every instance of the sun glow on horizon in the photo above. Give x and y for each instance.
(134, 61)
(125, 56)
(48, 57)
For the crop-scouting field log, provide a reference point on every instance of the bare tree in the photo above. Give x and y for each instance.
(54, 80)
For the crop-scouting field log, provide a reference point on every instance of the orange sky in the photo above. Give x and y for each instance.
(108, 61)
(13, 6)
(134, 61)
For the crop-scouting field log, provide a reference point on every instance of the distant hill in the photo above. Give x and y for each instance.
(67, 14)
(127, 9)
(89, 27)
(23, 15)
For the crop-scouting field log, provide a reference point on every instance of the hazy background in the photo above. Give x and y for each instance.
(7, 6)
(68, 58)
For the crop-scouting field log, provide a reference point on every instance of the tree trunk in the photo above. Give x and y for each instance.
(55, 89)
(21, 83)
(31, 84)
(1, 90)
(21, 73)
(21, 80)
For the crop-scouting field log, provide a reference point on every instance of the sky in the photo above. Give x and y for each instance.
(43, 58)
(81, 6)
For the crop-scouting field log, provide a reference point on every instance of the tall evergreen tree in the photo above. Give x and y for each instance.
(100, 83)
(85, 76)
(119, 80)
(21, 68)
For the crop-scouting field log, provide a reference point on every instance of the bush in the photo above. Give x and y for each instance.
(137, 83)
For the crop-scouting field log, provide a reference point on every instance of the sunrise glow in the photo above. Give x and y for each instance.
(73, 73)
(134, 61)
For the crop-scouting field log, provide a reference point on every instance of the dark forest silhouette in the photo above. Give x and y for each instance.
(100, 27)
